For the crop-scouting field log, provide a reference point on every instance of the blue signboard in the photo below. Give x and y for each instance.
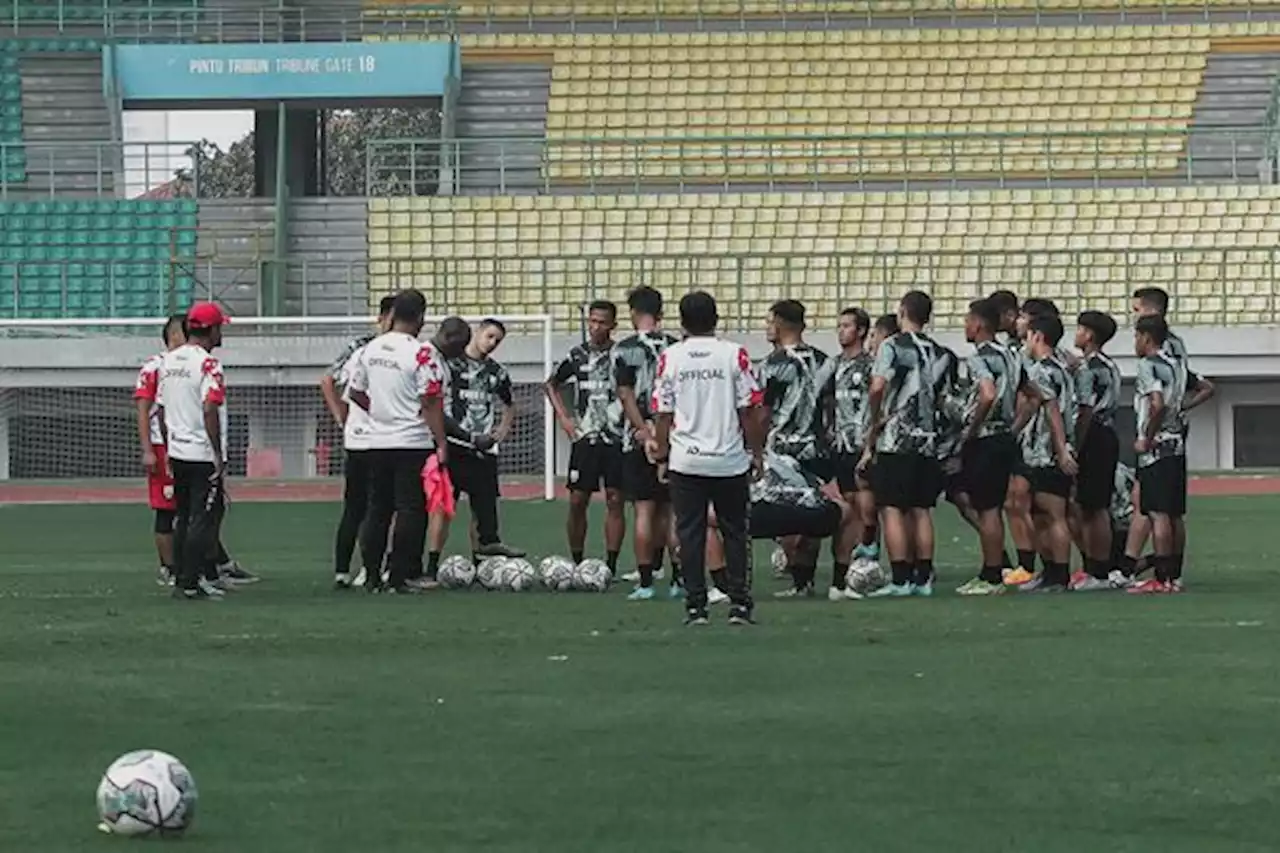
(277, 72)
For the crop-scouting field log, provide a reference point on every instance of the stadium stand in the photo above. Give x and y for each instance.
(72, 12)
(580, 10)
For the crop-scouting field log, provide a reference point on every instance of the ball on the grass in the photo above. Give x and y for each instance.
(591, 575)
(491, 573)
(556, 573)
(778, 560)
(865, 577)
(518, 575)
(147, 792)
(456, 572)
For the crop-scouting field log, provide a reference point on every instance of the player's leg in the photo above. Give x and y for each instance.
(1162, 504)
(641, 488)
(1178, 514)
(615, 510)
(163, 526)
(1050, 490)
(484, 509)
(846, 533)
(375, 531)
(731, 499)
(890, 477)
(1017, 510)
(410, 534)
(203, 517)
(869, 546)
(355, 502)
(1139, 533)
(160, 497)
(1098, 459)
(928, 484)
(690, 497)
(987, 465)
(582, 483)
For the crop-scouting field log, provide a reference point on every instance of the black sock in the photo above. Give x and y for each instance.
(576, 556)
(1175, 567)
(1128, 565)
(1056, 574)
(1027, 560)
(433, 564)
(1098, 568)
(806, 575)
(924, 572)
(1007, 563)
(992, 574)
(838, 573)
(870, 535)
(720, 579)
(1164, 570)
(677, 574)
(646, 574)
(610, 560)
(901, 571)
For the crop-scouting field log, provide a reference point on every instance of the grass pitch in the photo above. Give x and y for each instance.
(316, 721)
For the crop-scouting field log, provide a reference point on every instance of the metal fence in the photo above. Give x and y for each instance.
(98, 169)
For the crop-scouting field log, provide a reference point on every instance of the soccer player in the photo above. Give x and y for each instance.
(905, 473)
(635, 360)
(989, 450)
(1097, 397)
(595, 428)
(355, 443)
(1047, 453)
(1159, 393)
(843, 383)
(478, 385)
(707, 433)
(1154, 302)
(159, 476)
(789, 377)
(1005, 303)
(401, 383)
(885, 327)
(191, 395)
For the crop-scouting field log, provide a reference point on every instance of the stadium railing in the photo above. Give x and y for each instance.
(100, 169)
(1146, 156)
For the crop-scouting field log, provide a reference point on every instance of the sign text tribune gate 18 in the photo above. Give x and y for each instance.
(145, 74)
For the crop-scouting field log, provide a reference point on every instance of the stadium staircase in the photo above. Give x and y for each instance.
(502, 112)
(1235, 93)
(61, 103)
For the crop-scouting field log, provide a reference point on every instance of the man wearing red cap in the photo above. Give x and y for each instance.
(191, 394)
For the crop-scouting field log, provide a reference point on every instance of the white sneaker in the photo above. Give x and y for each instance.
(715, 596)
(1119, 580)
(1089, 583)
(850, 595)
(210, 589)
(634, 577)
(835, 594)
(361, 577)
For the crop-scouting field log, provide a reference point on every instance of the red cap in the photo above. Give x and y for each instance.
(206, 315)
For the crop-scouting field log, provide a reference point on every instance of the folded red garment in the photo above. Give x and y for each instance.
(438, 487)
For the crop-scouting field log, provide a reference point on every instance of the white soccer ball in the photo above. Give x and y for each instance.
(492, 572)
(518, 575)
(778, 560)
(556, 573)
(591, 576)
(456, 572)
(865, 577)
(147, 792)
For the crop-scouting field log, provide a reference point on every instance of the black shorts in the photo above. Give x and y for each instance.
(640, 478)
(473, 473)
(906, 480)
(821, 468)
(770, 521)
(985, 467)
(594, 464)
(1049, 481)
(1099, 455)
(1162, 487)
(845, 468)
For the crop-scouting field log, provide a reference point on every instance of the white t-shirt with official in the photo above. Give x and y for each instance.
(702, 383)
(398, 372)
(190, 377)
(358, 428)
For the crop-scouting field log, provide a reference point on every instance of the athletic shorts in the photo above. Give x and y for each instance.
(1049, 481)
(160, 481)
(1099, 455)
(640, 478)
(985, 467)
(906, 480)
(821, 468)
(845, 468)
(770, 521)
(1162, 487)
(593, 465)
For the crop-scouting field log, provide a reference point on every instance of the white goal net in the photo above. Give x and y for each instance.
(67, 413)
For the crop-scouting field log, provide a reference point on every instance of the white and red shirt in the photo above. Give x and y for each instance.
(703, 382)
(358, 428)
(146, 388)
(398, 373)
(190, 377)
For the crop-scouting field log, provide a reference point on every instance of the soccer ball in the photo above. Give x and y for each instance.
(146, 792)
(778, 560)
(456, 572)
(591, 576)
(556, 573)
(518, 575)
(492, 572)
(865, 577)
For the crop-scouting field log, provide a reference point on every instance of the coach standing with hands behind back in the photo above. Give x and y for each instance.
(708, 406)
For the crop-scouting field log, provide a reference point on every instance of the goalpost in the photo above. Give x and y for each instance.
(67, 414)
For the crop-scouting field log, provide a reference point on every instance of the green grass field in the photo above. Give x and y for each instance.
(316, 721)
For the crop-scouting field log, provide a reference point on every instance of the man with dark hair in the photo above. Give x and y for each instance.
(478, 387)
(885, 327)
(709, 437)
(355, 444)
(843, 383)
(988, 449)
(402, 384)
(1158, 396)
(595, 428)
(1005, 304)
(905, 475)
(1097, 398)
(191, 396)
(789, 377)
(635, 360)
(1047, 453)
(1151, 301)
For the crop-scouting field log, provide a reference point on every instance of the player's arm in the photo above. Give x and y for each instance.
(431, 383)
(625, 375)
(981, 374)
(1058, 434)
(1199, 390)
(213, 394)
(750, 410)
(885, 364)
(663, 406)
(358, 384)
(332, 399)
(1086, 394)
(507, 399)
(1148, 385)
(566, 371)
(144, 396)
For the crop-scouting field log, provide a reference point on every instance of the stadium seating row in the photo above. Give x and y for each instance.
(86, 257)
(1216, 246)
(78, 11)
(526, 9)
